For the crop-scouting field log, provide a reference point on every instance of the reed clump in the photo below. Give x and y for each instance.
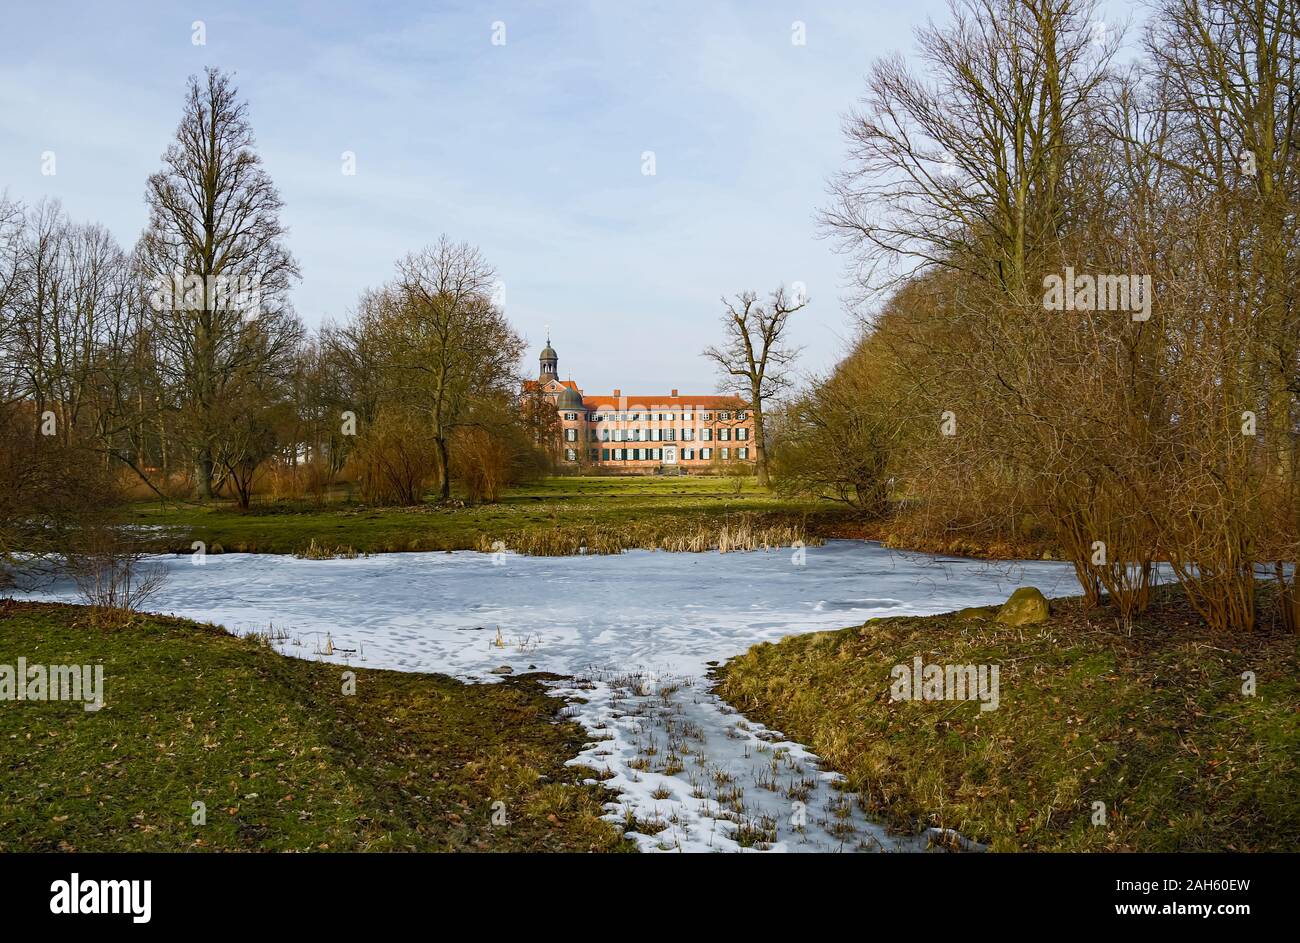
(741, 532)
(316, 551)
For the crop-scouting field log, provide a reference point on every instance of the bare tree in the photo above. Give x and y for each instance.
(12, 225)
(754, 359)
(214, 251)
(966, 168)
(444, 344)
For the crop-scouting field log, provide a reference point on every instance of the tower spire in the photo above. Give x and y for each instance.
(549, 360)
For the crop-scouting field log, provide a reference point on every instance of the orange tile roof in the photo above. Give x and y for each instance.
(628, 402)
(534, 384)
(646, 401)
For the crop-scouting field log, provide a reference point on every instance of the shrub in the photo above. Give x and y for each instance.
(396, 460)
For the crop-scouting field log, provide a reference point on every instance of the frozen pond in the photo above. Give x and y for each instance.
(637, 631)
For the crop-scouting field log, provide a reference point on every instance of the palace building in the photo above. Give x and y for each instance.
(644, 433)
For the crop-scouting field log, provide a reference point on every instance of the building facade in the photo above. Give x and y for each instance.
(644, 433)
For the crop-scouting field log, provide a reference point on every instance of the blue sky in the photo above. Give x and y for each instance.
(531, 150)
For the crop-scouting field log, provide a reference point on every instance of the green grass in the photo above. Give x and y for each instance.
(565, 508)
(282, 759)
(1154, 725)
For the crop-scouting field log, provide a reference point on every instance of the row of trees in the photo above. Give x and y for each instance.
(1092, 325)
(181, 362)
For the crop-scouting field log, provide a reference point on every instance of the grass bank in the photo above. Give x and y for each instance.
(1155, 726)
(556, 516)
(282, 759)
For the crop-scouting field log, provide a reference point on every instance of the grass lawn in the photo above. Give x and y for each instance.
(282, 759)
(567, 511)
(1155, 725)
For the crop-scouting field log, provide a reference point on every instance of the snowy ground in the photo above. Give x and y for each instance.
(637, 633)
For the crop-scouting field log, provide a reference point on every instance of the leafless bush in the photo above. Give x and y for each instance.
(482, 463)
(49, 489)
(397, 460)
(111, 571)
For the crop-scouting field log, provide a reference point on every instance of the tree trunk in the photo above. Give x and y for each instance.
(444, 469)
(204, 471)
(760, 445)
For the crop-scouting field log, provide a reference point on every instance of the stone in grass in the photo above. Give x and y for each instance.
(1025, 607)
(502, 670)
(982, 613)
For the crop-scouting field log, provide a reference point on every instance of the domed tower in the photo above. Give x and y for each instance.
(573, 426)
(550, 362)
(569, 399)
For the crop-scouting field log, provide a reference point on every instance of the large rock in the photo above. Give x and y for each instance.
(1025, 607)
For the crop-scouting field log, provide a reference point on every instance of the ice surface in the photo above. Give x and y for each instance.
(636, 632)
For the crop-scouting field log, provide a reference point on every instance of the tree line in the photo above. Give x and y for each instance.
(1089, 326)
(179, 364)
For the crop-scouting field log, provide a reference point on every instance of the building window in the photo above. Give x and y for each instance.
(688, 435)
(604, 435)
(670, 435)
(726, 454)
(618, 455)
(707, 416)
(742, 434)
(706, 435)
(724, 435)
(593, 454)
(571, 417)
(570, 455)
(688, 454)
(706, 454)
(742, 453)
(724, 415)
(570, 435)
(604, 455)
(654, 435)
(742, 415)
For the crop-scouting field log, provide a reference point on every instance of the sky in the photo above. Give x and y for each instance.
(533, 149)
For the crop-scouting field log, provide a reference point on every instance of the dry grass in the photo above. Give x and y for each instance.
(729, 534)
(315, 551)
(283, 759)
(1155, 725)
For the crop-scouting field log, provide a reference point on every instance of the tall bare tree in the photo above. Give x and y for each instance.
(754, 360)
(965, 167)
(215, 253)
